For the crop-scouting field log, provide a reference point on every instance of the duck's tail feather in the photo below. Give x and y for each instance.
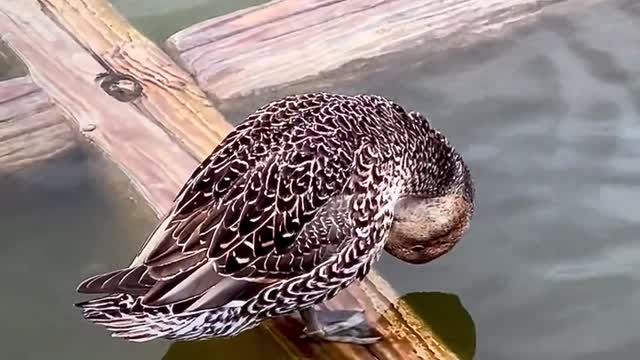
(125, 317)
(135, 281)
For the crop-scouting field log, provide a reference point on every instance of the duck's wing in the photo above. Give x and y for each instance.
(243, 209)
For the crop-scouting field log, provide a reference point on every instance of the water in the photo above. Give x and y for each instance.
(159, 19)
(548, 120)
(60, 222)
(10, 65)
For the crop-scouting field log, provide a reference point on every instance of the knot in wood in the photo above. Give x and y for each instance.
(122, 87)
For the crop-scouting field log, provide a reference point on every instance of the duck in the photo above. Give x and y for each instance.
(294, 205)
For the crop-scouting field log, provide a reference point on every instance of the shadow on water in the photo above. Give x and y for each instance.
(443, 313)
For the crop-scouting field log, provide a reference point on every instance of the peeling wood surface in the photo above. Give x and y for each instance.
(32, 129)
(286, 41)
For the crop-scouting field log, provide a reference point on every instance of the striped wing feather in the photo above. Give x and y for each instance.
(262, 207)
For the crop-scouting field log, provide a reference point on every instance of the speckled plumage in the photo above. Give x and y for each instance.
(293, 206)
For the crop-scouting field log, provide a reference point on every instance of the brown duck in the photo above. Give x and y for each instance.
(293, 206)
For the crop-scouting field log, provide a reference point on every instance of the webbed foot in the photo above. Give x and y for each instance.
(339, 325)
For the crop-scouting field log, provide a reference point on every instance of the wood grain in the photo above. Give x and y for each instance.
(286, 41)
(156, 164)
(172, 98)
(32, 129)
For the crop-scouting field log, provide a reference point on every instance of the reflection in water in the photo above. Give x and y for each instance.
(447, 318)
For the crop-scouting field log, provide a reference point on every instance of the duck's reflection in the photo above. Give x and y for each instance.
(443, 313)
(448, 319)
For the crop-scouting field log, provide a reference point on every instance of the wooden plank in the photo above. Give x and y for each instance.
(172, 97)
(135, 139)
(66, 72)
(286, 41)
(32, 129)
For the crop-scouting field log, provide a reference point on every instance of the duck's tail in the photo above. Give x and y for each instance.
(125, 317)
(116, 313)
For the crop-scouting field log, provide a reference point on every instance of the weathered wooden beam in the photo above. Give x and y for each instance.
(65, 70)
(133, 135)
(172, 98)
(32, 129)
(286, 41)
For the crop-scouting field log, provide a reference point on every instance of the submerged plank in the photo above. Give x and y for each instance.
(286, 41)
(32, 129)
(152, 137)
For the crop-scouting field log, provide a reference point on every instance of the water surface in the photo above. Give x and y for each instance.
(72, 217)
(159, 19)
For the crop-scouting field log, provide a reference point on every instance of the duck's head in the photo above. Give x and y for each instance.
(430, 222)
(427, 228)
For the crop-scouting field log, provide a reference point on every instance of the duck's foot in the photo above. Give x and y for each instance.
(339, 325)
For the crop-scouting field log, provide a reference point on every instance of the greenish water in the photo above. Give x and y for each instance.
(159, 19)
(61, 222)
(10, 65)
